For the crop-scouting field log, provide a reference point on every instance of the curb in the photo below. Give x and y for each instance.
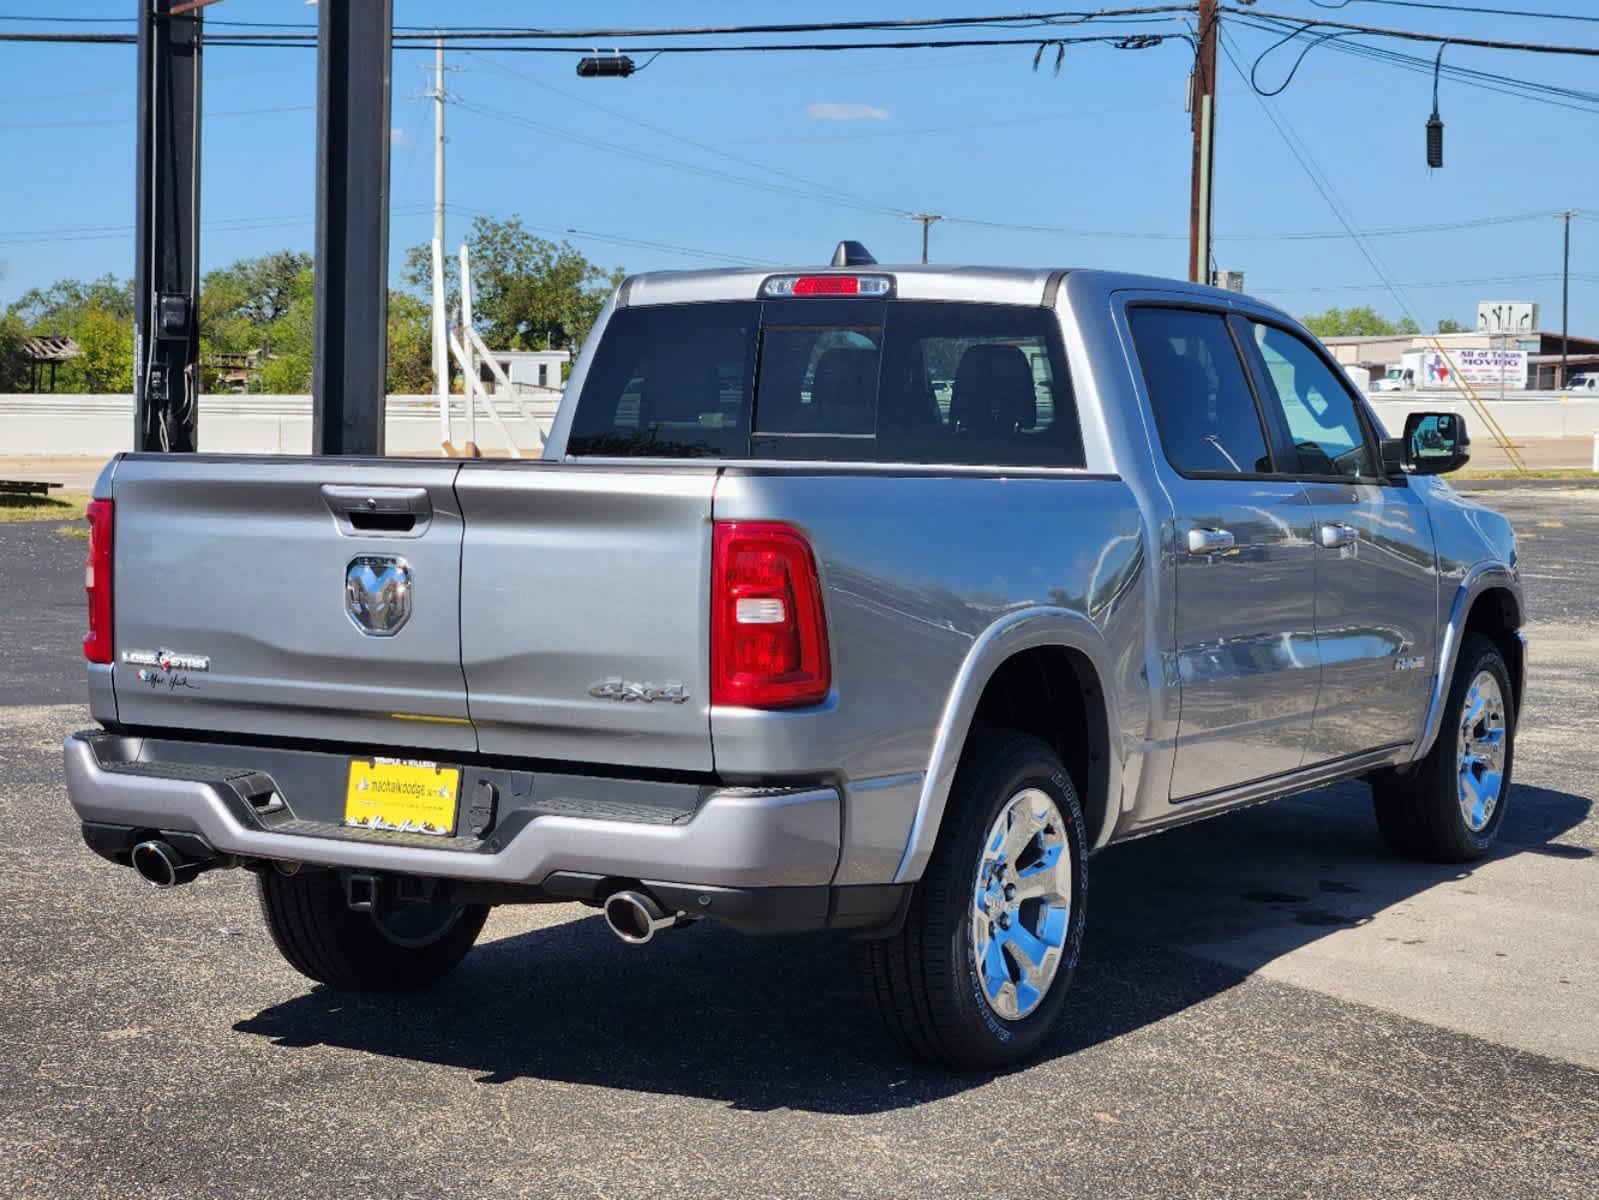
(1505, 485)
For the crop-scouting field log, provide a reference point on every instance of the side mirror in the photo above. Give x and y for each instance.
(1434, 444)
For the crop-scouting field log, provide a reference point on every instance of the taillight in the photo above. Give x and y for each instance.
(768, 630)
(97, 582)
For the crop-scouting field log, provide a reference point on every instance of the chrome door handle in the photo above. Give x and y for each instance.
(1334, 536)
(1210, 541)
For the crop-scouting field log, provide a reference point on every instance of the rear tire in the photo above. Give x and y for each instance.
(956, 985)
(393, 948)
(1450, 807)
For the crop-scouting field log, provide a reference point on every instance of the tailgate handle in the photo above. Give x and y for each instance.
(379, 511)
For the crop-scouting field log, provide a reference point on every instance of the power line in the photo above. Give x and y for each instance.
(128, 120)
(1453, 9)
(427, 31)
(1415, 35)
(1561, 97)
(676, 137)
(1547, 277)
(765, 185)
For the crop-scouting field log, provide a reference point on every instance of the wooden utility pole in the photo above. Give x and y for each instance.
(1203, 113)
(927, 219)
(1565, 299)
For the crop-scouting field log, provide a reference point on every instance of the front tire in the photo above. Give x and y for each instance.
(978, 974)
(394, 947)
(1451, 806)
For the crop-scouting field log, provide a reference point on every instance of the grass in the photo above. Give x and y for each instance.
(42, 508)
(81, 532)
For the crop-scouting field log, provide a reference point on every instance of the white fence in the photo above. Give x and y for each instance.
(63, 425)
(66, 425)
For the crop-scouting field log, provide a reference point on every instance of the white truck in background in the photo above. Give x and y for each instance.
(1424, 370)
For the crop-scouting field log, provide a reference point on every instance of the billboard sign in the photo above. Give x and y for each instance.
(1495, 369)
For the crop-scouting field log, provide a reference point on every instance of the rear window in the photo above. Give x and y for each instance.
(851, 380)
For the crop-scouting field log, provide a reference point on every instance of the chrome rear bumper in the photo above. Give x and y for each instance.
(733, 838)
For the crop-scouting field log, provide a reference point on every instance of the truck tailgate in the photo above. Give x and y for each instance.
(233, 570)
(584, 621)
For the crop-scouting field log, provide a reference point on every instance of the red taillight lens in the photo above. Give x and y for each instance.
(97, 582)
(768, 630)
(827, 285)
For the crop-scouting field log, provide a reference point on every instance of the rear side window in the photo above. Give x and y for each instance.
(865, 381)
(670, 381)
(1204, 410)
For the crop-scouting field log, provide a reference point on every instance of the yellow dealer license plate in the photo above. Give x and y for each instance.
(402, 796)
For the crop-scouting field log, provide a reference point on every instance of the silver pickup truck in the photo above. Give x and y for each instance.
(860, 598)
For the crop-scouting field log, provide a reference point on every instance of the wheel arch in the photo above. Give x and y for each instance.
(1488, 601)
(1043, 671)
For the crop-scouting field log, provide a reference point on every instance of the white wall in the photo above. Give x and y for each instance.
(1518, 418)
(102, 425)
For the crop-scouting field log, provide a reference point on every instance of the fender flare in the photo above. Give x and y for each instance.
(1483, 577)
(1027, 629)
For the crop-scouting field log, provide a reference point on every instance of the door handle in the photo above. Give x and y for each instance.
(1335, 535)
(1210, 541)
(369, 511)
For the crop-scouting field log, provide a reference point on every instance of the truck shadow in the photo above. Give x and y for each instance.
(762, 1024)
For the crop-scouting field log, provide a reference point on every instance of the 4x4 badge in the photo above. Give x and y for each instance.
(649, 693)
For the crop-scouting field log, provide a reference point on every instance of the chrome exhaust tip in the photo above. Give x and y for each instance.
(159, 865)
(635, 917)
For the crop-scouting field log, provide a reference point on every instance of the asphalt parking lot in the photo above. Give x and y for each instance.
(1269, 1005)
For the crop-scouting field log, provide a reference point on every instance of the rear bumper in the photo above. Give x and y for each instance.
(758, 858)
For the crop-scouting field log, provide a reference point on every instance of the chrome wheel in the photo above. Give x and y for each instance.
(1021, 904)
(1480, 754)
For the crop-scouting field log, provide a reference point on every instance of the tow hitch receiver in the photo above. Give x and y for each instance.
(361, 891)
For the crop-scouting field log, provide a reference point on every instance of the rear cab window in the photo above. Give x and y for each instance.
(865, 380)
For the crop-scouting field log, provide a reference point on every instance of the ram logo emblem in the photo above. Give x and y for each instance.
(377, 593)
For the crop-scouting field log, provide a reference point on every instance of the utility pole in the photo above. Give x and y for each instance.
(1202, 108)
(927, 219)
(441, 348)
(1565, 296)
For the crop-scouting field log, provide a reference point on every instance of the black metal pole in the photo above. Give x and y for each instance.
(348, 377)
(166, 327)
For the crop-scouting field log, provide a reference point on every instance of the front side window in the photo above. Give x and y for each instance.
(1320, 413)
(1204, 409)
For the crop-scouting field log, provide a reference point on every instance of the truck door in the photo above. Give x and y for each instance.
(1376, 570)
(1242, 551)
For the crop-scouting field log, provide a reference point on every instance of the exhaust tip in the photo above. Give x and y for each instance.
(635, 917)
(159, 865)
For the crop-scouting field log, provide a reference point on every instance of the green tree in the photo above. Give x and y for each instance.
(526, 292)
(98, 316)
(106, 362)
(63, 303)
(410, 345)
(1363, 321)
(292, 337)
(13, 366)
(1450, 325)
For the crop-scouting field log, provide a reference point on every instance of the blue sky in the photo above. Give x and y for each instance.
(838, 145)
